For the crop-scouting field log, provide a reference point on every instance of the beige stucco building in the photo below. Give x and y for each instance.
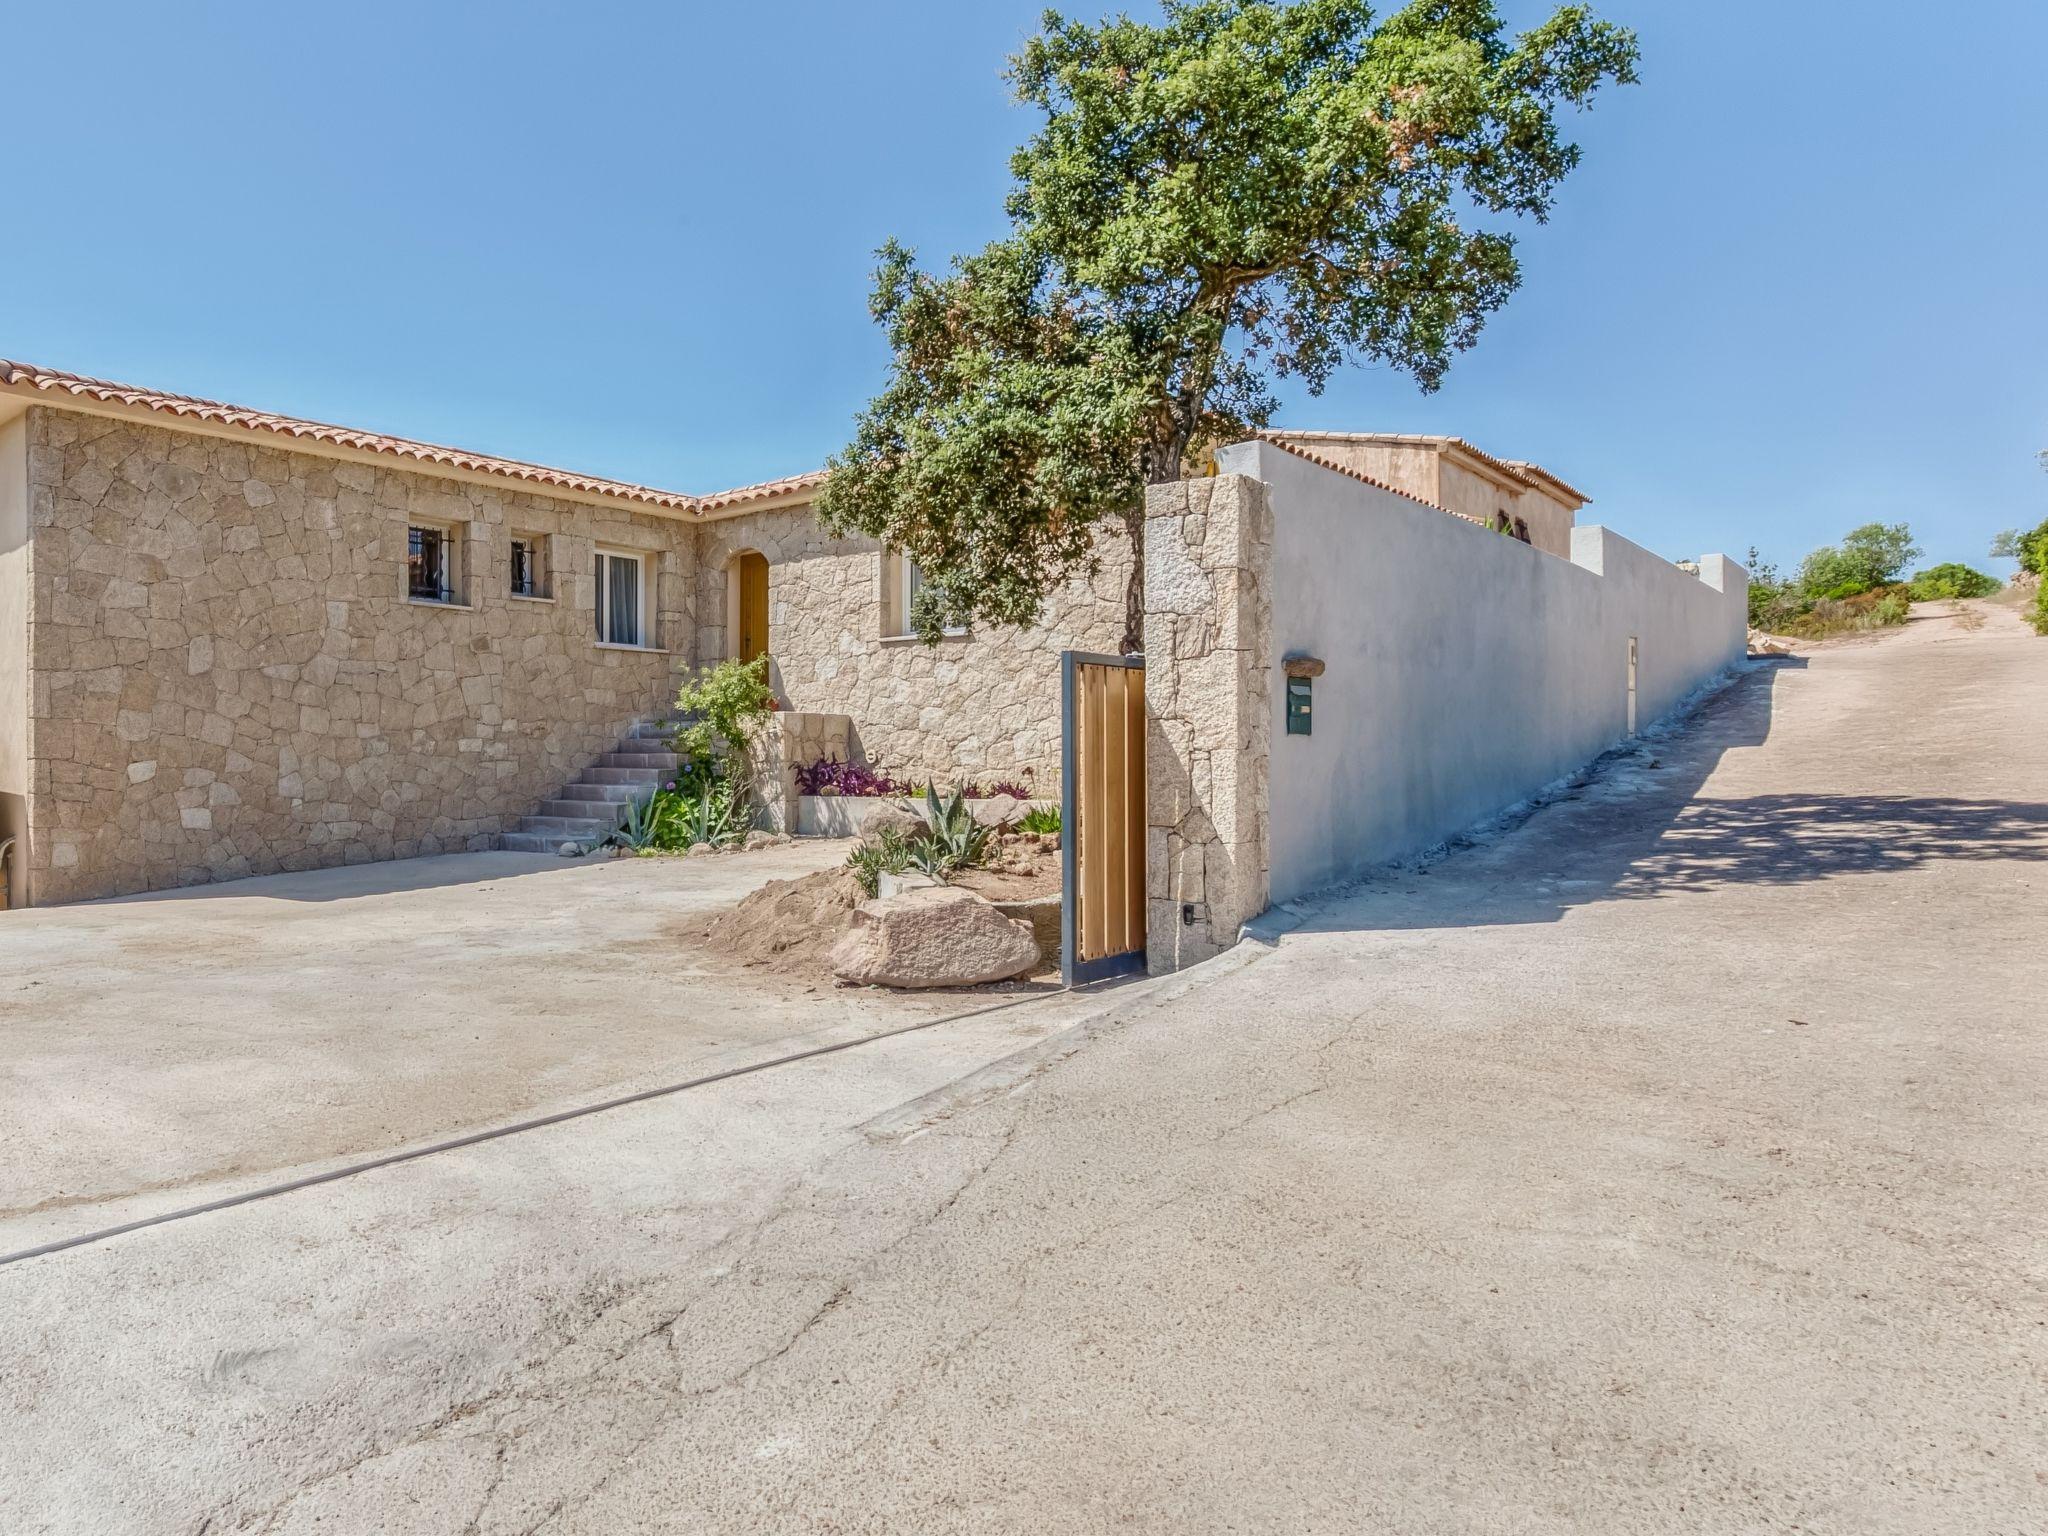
(1520, 499)
(234, 643)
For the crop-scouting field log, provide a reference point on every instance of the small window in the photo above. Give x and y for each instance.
(1522, 530)
(529, 572)
(901, 582)
(621, 598)
(1500, 522)
(430, 564)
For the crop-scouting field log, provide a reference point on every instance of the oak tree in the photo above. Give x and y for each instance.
(1243, 192)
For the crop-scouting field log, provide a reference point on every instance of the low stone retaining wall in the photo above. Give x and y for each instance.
(841, 815)
(795, 739)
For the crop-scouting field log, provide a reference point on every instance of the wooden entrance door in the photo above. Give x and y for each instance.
(1102, 838)
(753, 635)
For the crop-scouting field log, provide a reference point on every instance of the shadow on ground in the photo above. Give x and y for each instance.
(1637, 831)
(1790, 839)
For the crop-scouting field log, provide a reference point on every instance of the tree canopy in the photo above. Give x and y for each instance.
(1951, 579)
(2029, 547)
(1873, 555)
(1243, 192)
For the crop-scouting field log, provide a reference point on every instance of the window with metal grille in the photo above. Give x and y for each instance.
(621, 599)
(429, 565)
(527, 580)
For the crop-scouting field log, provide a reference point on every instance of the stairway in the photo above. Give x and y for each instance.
(590, 810)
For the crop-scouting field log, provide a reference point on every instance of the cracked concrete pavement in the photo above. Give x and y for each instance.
(1668, 1162)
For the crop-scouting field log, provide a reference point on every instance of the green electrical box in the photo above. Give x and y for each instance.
(1298, 706)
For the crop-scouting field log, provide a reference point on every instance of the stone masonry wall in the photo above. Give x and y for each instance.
(983, 705)
(1208, 693)
(228, 678)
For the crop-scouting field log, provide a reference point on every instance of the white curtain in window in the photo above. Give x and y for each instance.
(618, 599)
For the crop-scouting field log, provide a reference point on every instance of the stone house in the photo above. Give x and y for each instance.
(233, 642)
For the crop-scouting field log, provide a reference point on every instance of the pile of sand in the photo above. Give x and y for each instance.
(791, 922)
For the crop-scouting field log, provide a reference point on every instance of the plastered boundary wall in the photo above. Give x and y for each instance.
(1463, 671)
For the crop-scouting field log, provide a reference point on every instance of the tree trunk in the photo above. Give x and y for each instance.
(1134, 585)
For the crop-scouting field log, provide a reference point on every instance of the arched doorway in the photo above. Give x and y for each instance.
(749, 596)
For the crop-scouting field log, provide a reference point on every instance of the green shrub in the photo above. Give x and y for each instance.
(1772, 603)
(715, 814)
(708, 810)
(1879, 609)
(1041, 821)
(2038, 614)
(2030, 548)
(1951, 580)
(1868, 557)
(727, 703)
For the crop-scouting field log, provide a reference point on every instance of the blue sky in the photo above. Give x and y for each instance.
(1798, 283)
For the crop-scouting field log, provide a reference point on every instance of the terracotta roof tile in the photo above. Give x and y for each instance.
(720, 500)
(1281, 442)
(218, 413)
(1513, 469)
(1538, 472)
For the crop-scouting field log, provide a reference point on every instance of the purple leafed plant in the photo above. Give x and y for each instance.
(829, 776)
(1000, 787)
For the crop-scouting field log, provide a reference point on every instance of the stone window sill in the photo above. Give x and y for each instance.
(644, 650)
(431, 602)
(529, 597)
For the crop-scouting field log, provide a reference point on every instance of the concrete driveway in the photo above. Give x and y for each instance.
(1671, 1163)
(161, 1049)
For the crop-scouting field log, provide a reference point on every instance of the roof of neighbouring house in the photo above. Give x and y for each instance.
(26, 378)
(1281, 441)
(1512, 469)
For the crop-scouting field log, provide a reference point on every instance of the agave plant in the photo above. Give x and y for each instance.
(889, 854)
(928, 858)
(716, 816)
(641, 830)
(953, 838)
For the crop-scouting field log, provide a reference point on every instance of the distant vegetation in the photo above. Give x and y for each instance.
(2031, 550)
(1952, 580)
(1839, 588)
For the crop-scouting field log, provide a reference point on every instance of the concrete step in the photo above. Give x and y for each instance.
(622, 776)
(650, 759)
(598, 792)
(610, 812)
(560, 828)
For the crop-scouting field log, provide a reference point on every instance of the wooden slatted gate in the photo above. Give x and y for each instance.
(1102, 843)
